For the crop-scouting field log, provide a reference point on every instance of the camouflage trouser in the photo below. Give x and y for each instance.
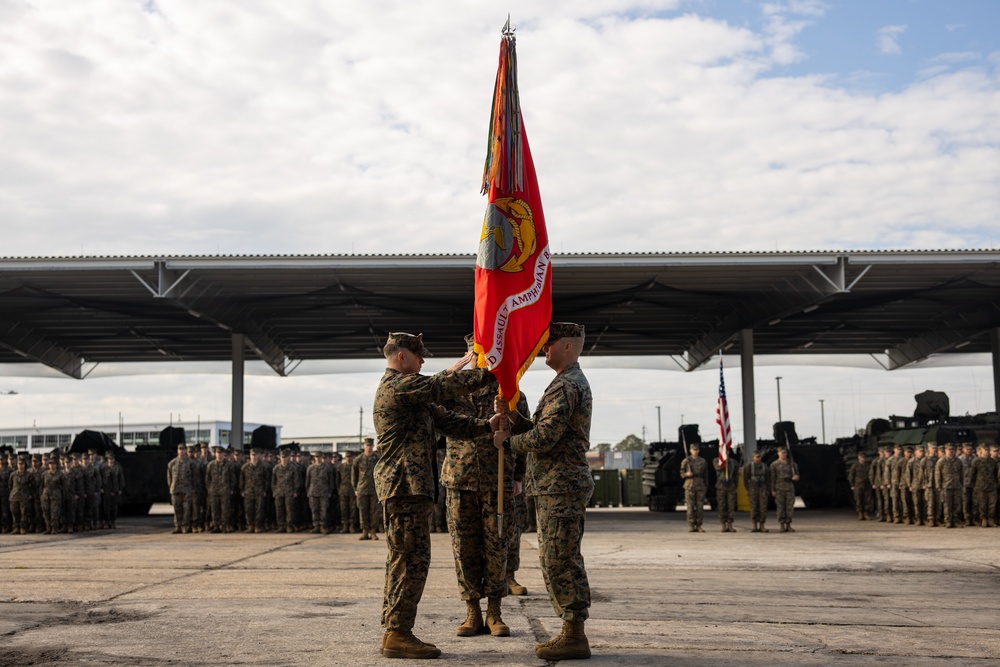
(725, 498)
(758, 503)
(348, 512)
(5, 518)
(284, 511)
(784, 498)
(408, 538)
(886, 503)
(480, 552)
(897, 503)
(19, 514)
(530, 521)
(879, 504)
(985, 502)
(952, 505)
(518, 509)
(969, 511)
(255, 509)
(367, 510)
(182, 510)
(862, 499)
(78, 511)
(694, 498)
(319, 507)
(560, 531)
(93, 508)
(219, 504)
(919, 504)
(904, 504)
(52, 511)
(930, 497)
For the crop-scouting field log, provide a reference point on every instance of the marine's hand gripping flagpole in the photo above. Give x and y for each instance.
(513, 277)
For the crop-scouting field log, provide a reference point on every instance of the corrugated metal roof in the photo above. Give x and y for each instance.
(72, 311)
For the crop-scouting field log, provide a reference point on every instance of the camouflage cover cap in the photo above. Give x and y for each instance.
(470, 342)
(370, 440)
(949, 445)
(409, 342)
(559, 330)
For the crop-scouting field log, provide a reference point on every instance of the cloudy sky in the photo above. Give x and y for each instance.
(257, 127)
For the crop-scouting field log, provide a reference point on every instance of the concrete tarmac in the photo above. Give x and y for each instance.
(836, 592)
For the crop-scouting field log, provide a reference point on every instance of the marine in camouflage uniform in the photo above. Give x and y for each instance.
(470, 474)
(875, 479)
(319, 489)
(930, 486)
(967, 457)
(694, 472)
(894, 482)
(408, 415)
(905, 499)
(20, 497)
(917, 484)
(76, 498)
(5, 472)
(220, 479)
(54, 487)
(36, 470)
(114, 487)
(284, 488)
(93, 483)
(784, 474)
(255, 480)
(199, 498)
(757, 480)
(727, 479)
(180, 480)
(948, 477)
(857, 478)
(558, 477)
(983, 480)
(363, 481)
(345, 494)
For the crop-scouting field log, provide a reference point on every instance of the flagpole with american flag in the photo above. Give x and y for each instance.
(722, 419)
(513, 305)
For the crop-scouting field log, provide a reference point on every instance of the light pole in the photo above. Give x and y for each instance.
(659, 427)
(778, 380)
(822, 419)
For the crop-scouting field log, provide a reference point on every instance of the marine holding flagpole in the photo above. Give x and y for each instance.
(511, 325)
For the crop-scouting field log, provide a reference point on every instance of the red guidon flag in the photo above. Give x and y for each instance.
(513, 271)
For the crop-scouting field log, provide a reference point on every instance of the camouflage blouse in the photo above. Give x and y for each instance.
(408, 420)
(557, 439)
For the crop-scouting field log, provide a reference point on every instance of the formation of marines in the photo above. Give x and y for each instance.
(761, 481)
(219, 490)
(59, 493)
(927, 485)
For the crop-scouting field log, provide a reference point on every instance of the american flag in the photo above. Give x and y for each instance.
(722, 419)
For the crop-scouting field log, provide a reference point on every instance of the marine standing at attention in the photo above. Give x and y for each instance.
(408, 418)
(555, 442)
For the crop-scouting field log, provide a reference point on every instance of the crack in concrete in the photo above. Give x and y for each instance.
(207, 568)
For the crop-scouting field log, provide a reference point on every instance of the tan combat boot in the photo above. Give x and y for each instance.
(493, 621)
(515, 588)
(402, 644)
(572, 644)
(473, 623)
(731, 529)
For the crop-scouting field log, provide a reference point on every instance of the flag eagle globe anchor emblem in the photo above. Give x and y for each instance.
(507, 221)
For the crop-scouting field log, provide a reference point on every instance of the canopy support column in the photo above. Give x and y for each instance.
(239, 357)
(749, 400)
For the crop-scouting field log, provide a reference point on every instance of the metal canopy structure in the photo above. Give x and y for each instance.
(72, 314)
(899, 306)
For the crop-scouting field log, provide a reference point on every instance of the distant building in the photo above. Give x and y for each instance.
(328, 443)
(129, 436)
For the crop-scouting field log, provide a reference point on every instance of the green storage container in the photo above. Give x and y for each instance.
(631, 481)
(607, 489)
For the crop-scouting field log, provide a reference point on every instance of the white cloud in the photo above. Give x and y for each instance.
(888, 39)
